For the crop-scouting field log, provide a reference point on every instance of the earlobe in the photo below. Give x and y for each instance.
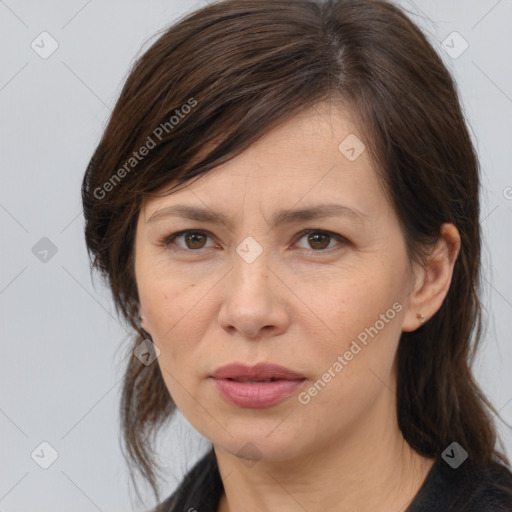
(142, 318)
(433, 282)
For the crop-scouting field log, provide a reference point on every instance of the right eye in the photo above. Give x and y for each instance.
(193, 239)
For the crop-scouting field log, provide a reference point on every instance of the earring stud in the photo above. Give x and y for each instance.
(420, 317)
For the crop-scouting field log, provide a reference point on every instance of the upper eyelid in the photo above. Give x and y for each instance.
(178, 234)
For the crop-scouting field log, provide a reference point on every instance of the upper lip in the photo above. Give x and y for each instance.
(260, 371)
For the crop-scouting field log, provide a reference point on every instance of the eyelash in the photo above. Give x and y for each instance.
(168, 240)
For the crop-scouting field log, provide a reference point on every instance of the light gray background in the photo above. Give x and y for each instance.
(61, 361)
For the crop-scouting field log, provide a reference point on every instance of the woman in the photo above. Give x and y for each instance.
(285, 206)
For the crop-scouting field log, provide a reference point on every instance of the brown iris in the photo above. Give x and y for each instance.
(195, 239)
(321, 239)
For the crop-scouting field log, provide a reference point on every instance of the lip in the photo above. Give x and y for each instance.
(256, 394)
(260, 371)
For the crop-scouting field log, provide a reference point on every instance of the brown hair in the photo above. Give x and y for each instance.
(245, 66)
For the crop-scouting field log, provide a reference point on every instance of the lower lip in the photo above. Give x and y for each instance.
(257, 395)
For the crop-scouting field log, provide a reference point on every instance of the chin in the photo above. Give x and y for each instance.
(256, 444)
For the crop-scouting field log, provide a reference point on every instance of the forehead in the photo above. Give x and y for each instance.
(318, 153)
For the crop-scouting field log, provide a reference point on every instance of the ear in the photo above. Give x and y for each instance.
(432, 279)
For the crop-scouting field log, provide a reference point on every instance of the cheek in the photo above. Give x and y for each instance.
(358, 302)
(355, 367)
(176, 325)
(168, 311)
(364, 316)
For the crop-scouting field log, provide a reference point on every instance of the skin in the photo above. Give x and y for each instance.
(300, 304)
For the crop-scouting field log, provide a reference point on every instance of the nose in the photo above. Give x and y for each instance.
(253, 305)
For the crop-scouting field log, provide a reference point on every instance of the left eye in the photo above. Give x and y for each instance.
(320, 240)
(195, 240)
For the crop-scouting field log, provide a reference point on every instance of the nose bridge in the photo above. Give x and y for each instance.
(250, 271)
(251, 303)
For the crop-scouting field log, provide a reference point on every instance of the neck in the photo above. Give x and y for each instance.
(370, 468)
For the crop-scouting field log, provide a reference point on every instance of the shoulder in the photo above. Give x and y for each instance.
(491, 487)
(200, 489)
(467, 488)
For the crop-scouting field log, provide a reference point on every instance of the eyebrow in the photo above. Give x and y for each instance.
(320, 211)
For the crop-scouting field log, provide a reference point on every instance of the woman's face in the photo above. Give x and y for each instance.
(324, 295)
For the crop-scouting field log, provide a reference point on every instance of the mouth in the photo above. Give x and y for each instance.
(260, 372)
(260, 386)
(254, 381)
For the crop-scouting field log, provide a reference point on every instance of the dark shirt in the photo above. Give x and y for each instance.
(468, 488)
